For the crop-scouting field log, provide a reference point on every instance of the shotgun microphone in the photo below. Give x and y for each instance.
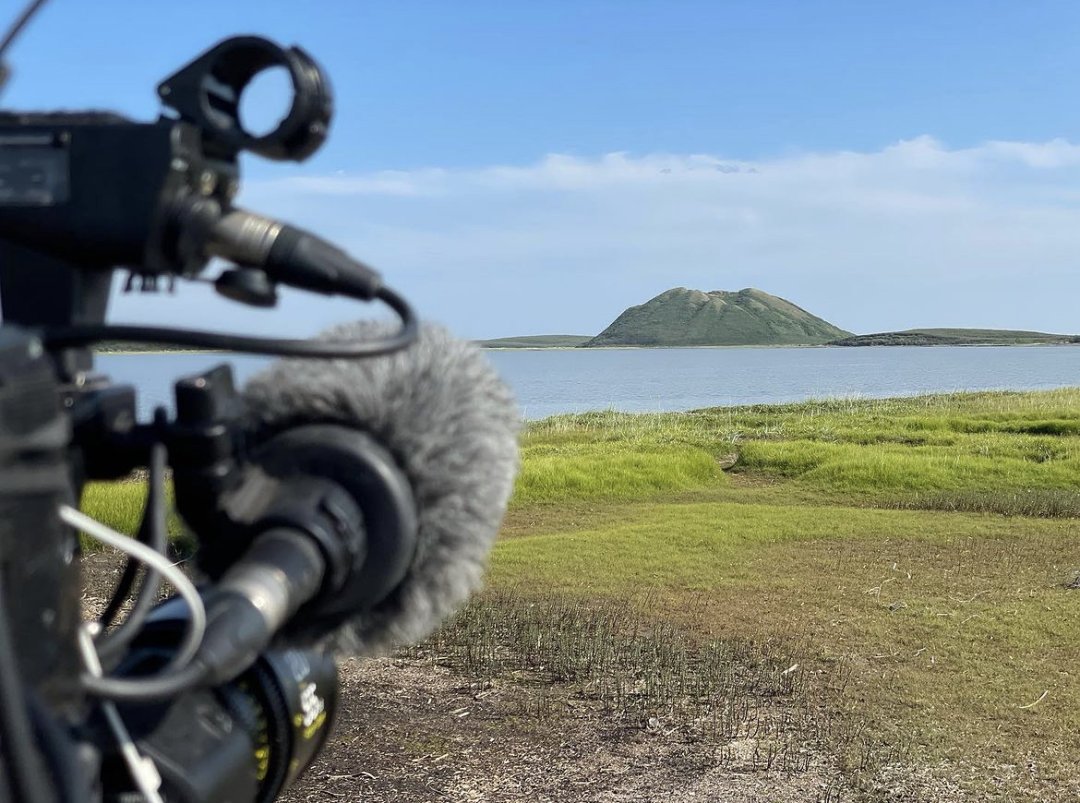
(435, 417)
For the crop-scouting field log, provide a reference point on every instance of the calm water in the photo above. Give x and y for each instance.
(558, 381)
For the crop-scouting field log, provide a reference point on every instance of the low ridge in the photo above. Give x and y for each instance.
(957, 337)
(749, 317)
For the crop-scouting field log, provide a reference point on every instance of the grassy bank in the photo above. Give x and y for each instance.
(892, 582)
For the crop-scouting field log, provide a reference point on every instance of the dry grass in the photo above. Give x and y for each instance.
(645, 674)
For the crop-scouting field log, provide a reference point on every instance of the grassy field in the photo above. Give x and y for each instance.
(536, 342)
(893, 583)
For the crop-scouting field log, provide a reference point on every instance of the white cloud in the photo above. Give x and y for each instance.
(913, 234)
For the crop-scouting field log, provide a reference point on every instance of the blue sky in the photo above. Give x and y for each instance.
(530, 167)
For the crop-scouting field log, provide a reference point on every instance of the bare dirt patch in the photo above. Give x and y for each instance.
(409, 731)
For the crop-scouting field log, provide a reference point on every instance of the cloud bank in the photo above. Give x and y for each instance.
(915, 234)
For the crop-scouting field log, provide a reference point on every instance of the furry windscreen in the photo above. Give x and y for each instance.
(452, 425)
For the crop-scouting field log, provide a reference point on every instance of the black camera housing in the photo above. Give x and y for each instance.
(40, 573)
(81, 195)
(84, 193)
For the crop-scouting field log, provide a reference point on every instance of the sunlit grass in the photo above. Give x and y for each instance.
(970, 451)
(913, 556)
(879, 468)
(119, 505)
(920, 552)
(568, 471)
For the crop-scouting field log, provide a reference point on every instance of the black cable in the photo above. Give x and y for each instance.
(146, 689)
(123, 587)
(25, 769)
(154, 533)
(95, 333)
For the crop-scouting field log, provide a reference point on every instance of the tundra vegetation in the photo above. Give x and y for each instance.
(887, 586)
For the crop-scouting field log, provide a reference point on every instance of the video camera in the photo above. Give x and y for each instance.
(310, 502)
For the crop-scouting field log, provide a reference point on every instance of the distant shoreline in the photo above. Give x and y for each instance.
(781, 346)
(129, 352)
(159, 352)
(651, 348)
(670, 337)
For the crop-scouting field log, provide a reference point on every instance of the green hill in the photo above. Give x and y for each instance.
(535, 342)
(682, 317)
(956, 337)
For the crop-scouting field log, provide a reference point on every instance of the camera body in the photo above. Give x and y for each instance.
(81, 195)
(38, 553)
(243, 740)
(85, 193)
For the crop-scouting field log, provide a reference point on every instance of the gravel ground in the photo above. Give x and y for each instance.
(410, 732)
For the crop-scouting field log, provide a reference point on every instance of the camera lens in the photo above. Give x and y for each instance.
(248, 739)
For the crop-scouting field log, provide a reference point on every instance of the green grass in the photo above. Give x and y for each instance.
(556, 472)
(120, 505)
(887, 452)
(915, 557)
(536, 342)
(925, 545)
(892, 468)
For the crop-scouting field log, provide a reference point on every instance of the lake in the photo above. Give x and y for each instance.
(554, 381)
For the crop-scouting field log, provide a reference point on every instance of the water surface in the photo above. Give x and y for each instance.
(550, 381)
